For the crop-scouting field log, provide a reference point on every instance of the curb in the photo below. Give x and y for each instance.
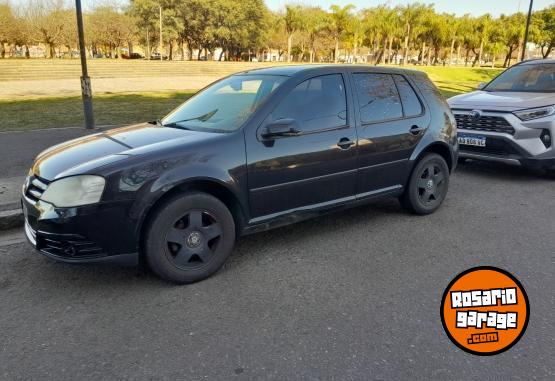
(10, 219)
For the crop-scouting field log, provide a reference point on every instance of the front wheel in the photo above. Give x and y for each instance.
(427, 186)
(189, 237)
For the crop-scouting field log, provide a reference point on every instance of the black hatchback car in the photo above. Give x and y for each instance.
(253, 151)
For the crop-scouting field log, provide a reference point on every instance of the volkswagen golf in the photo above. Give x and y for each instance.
(253, 151)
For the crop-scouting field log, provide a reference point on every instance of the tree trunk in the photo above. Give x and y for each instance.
(199, 53)
(170, 53)
(518, 54)
(190, 50)
(147, 45)
(548, 51)
(480, 52)
(458, 53)
(422, 57)
(182, 49)
(2, 50)
(451, 51)
(355, 52)
(492, 61)
(389, 50)
(27, 53)
(336, 50)
(289, 42)
(52, 51)
(406, 54)
(508, 58)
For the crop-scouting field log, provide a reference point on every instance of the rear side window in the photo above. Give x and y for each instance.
(377, 97)
(316, 104)
(409, 99)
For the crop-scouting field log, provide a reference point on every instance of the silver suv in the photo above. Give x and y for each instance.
(512, 118)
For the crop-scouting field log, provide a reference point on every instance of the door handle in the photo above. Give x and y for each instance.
(345, 143)
(415, 129)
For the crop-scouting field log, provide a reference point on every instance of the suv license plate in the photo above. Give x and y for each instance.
(469, 140)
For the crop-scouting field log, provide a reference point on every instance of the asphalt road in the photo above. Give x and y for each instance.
(352, 295)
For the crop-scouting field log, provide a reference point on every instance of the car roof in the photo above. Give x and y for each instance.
(538, 61)
(293, 70)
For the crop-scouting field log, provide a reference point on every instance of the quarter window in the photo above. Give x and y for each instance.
(316, 104)
(378, 97)
(409, 99)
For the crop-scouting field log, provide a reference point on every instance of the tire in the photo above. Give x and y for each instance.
(422, 196)
(189, 238)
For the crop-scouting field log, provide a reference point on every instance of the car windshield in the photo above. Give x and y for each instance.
(225, 105)
(538, 78)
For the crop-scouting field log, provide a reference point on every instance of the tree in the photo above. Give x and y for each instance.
(8, 25)
(293, 22)
(111, 29)
(411, 15)
(512, 34)
(543, 30)
(340, 20)
(49, 22)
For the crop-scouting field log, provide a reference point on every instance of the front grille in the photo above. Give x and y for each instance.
(484, 123)
(36, 187)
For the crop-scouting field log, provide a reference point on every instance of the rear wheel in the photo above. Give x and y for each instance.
(189, 238)
(427, 186)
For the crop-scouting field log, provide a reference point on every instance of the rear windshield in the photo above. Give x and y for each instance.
(537, 78)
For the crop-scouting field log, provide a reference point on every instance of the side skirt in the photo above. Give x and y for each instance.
(292, 216)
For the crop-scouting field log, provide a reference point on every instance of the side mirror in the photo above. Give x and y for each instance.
(481, 85)
(281, 127)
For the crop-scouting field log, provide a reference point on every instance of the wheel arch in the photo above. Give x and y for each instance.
(206, 185)
(442, 149)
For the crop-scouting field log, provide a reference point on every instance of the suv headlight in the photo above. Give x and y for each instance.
(74, 191)
(535, 113)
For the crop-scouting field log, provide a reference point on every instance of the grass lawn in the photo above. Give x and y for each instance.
(125, 108)
(118, 109)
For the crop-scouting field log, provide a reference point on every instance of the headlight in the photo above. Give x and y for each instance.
(535, 113)
(74, 191)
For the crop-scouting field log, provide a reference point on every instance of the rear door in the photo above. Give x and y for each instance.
(391, 120)
(317, 166)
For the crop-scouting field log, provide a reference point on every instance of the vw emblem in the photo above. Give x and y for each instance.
(475, 114)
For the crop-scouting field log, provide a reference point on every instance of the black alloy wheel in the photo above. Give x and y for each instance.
(189, 237)
(427, 186)
(193, 239)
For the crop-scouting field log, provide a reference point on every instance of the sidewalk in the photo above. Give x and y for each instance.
(17, 152)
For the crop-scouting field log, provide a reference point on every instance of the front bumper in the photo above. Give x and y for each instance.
(90, 233)
(517, 142)
(505, 150)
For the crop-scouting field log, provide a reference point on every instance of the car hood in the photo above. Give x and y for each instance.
(95, 150)
(501, 100)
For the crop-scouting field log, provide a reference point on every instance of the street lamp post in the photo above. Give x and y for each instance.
(526, 30)
(86, 91)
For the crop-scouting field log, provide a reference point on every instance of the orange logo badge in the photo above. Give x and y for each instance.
(485, 310)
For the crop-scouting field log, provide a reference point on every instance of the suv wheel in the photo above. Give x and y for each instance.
(189, 238)
(427, 186)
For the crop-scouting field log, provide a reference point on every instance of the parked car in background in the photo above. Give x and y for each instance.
(512, 118)
(253, 151)
(156, 56)
(134, 56)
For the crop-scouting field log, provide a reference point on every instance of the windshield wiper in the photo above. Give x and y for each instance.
(202, 118)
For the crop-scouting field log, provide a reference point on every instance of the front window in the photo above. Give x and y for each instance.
(538, 78)
(225, 105)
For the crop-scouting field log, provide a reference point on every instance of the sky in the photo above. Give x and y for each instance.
(459, 7)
